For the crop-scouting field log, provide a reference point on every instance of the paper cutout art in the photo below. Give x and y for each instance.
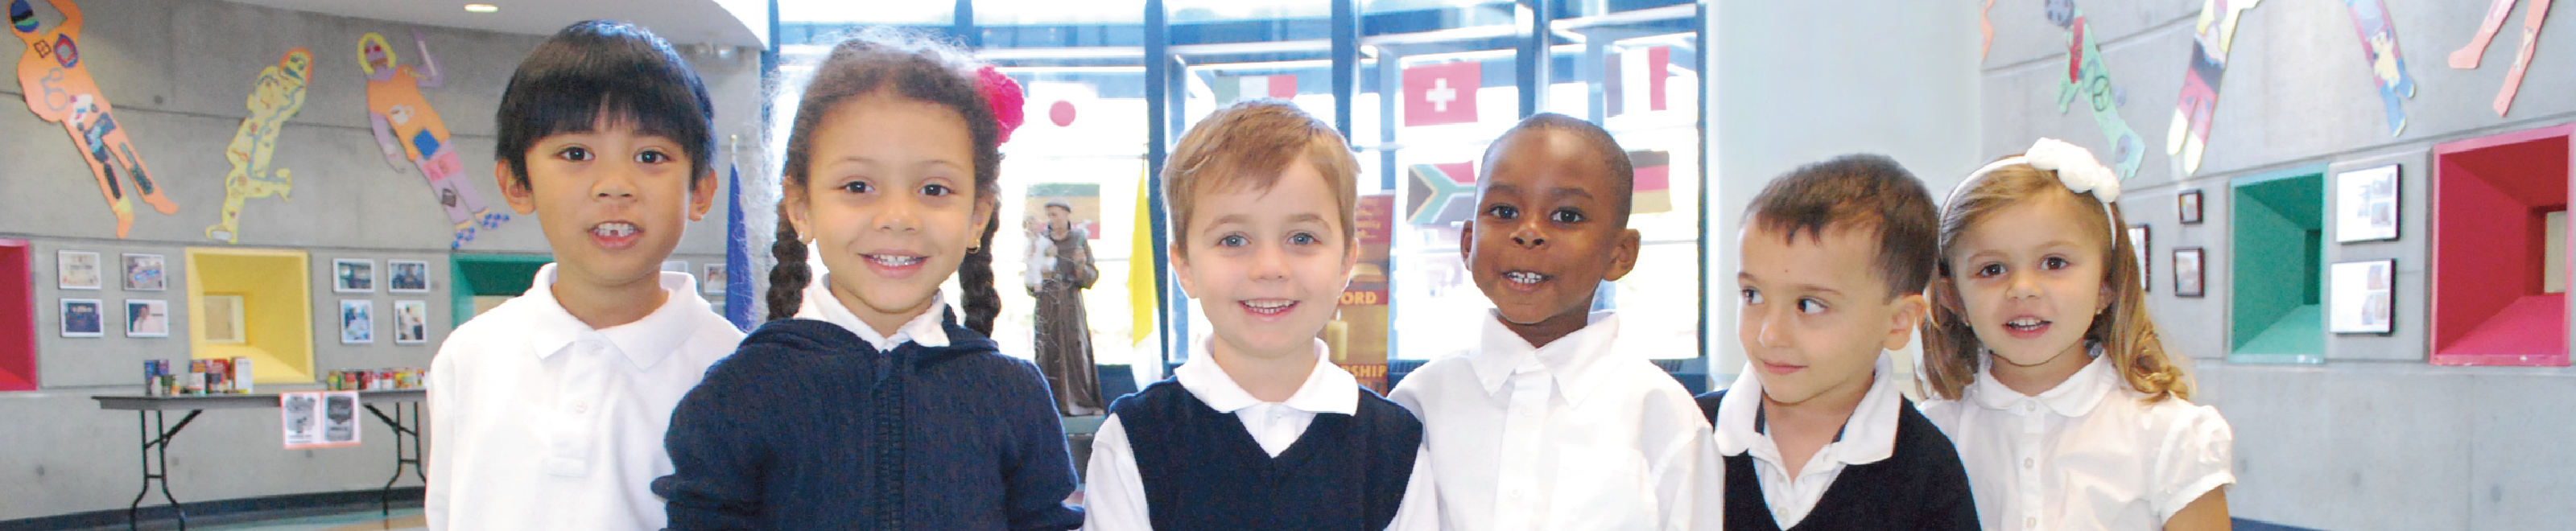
(2531, 21)
(2087, 76)
(411, 134)
(275, 96)
(2467, 57)
(1987, 27)
(59, 89)
(2189, 136)
(2379, 46)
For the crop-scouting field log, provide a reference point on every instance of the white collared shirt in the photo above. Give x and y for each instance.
(1869, 436)
(1114, 492)
(541, 422)
(1579, 434)
(2084, 455)
(925, 329)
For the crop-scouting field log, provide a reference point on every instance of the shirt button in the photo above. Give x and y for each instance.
(2030, 521)
(2029, 462)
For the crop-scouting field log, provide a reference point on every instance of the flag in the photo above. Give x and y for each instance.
(1653, 193)
(1444, 93)
(1638, 77)
(738, 273)
(1441, 193)
(1230, 89)
(1141, 267)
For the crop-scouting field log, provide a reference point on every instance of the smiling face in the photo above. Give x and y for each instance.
(1546, 232)
(1815, 314)
(890, 203)
(1267, 266)
(2029, 278)
(611, 201)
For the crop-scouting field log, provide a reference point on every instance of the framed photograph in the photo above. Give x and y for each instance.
(2138, 238)
(2366, 204)
(2187, 263)
(411, 322)
(76, 270)
(2188, 204)
(357, 321)
(353, 275)
(675, 266)
(223, 317)
(410, 276)
(143, 273)
(81, 318)
(2362, 299)
(713, 281)
(147, 318)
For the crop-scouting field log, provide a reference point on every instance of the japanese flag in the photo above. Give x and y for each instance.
(1443, 93)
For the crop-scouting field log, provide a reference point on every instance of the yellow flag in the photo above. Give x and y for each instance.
(1142, 265)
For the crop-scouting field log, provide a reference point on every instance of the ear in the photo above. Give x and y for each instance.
(985, 207)
(1908, 318)
(514, 189)
(1623, 256)
(1467, 242)
(1181, 268)
(702, 196)
(793, 204)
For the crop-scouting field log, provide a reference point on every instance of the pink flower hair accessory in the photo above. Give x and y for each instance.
(1004, 94)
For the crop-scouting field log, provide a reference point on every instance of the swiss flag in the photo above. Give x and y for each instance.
(1443, 93)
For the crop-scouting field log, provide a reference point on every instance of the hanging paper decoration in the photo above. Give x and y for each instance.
(2531, 21)
(274, 97)
(2379, 45)
(2087, 76)
(2189, 136)
(1987, 27)
(58, 88)
(2467, 57)
(411, 134)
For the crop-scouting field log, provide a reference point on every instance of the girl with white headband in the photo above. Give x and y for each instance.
(2050, 378)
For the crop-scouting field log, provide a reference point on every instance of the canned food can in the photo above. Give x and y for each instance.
(151, 377)
(196, 383)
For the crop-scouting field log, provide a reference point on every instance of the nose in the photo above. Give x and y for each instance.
(1772, 332)
(1527, 235)
(1269, 262)
(2021, 286)
(614, 184)
(898, 213)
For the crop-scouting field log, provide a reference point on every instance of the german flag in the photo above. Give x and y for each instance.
(1654, 186)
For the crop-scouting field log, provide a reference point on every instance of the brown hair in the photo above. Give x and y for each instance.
(1249, 144)
(1951, 352)
(904, 64)
(1860, 191)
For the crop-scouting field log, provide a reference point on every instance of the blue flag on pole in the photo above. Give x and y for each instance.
(737, 254)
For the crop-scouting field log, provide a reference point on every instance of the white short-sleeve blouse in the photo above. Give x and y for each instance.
(2088, 454)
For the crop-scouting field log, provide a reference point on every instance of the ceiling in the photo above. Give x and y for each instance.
(683, 22)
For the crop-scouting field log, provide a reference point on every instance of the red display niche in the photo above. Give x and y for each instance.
(2490, 198)
(17, 317)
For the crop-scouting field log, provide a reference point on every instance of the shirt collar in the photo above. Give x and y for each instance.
(925, 329)
(644, 342)
(1575, 361)
(1328, 389)
(1869, 436)
(2073, 398)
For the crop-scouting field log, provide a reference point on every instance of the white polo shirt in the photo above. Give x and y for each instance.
(538, 421)
(1583, 433)
(1114, 492)
(2084, 455)
(1869, 436)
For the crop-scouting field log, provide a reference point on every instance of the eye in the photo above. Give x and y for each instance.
(1232, 240)
(1811, 306)
(574, 153)
(652, 156)
(1566, 215)
(1502, 211)
(936, 190)
(1751, 297)
(1989, 270)
(2055, 262)
(857, 187)
(1304, 238)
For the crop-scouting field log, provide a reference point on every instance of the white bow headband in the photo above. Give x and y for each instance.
(2075, 167)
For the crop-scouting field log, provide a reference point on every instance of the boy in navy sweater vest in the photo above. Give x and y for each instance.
(1259, 430)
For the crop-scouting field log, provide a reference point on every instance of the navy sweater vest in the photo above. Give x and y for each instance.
(1921, 486)
(1201, 470)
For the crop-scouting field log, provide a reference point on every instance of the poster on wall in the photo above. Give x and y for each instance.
(2138, 244)
(2089, 79)
(147, 318)
(1081, 208)
(2362, 294)
(275, 95)
(412, 136)
(56, 83)
(410, 276)
(2187, 272)
(2189, 136)
(357, 321)
(318, 419)
(353, 275)
(2379, 47)
(712, 282)
(76, 270)
(143, 272)
(2366, 204)
(411, 322)
(81, 318)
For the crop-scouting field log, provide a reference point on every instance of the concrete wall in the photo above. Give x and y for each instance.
(2375, 437)
(177, 73)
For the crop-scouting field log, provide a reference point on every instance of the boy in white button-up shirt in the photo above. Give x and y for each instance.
(1554, 422)
(548, 411)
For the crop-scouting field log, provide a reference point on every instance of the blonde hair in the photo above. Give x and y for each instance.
(1249, 145)
(1951, 352)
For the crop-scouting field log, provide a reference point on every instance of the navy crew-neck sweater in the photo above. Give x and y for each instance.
(808, 427)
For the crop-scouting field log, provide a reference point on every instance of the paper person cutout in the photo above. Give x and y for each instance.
(2088, 77)
(2189, 136)
(58, 88)
(411, 134)
(275, 96)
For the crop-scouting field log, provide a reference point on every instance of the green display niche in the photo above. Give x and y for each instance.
(2277, 267)
(480, 280)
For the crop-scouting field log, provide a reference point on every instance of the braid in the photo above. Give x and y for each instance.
(975, 278)
(787, 280)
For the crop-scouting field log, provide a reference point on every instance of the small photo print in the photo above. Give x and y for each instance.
(411, 322)
(357, 321)
(2186, 272)
(81, 318)
(76, 270)
(410, 276)
(143, 272)
(2188, 206)
(147, 318)
(353, 275)
(713, 282)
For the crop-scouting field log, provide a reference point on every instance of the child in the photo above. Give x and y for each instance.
(2066, 409)
(873, 407)
(1553, 423)
(1816, 435)
(1262, 432)
(551, 407)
